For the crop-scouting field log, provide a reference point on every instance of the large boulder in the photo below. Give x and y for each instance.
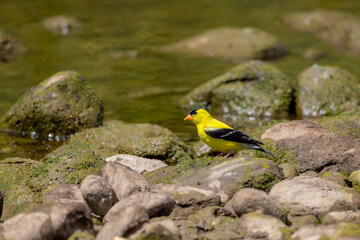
(312, 147)
(123, 180)
(252, 92)
(66, 165)
(60, 105)
(340, 30)
(142, 140)
(13, 175)
(231, 44)
(10, 48)
(314, 196)
(61, 24)
(341, 216)
(325, 90)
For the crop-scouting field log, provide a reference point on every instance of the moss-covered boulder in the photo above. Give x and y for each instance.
(340, 30)
(10, 49)
(13, 174)
(60, 105)
(231, 44)
(335, 177)
(250, 92)
(324, 90)
(61, 24)
(67, 164)
(143, 140)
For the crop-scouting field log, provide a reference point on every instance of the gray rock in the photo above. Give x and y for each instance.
(344, 231)
(201, 149)
(123, 223)
(230, 43)
(62, 25)
(249, 93)
(341, 216)
(165, 229)
(98, 194)
(298, 221)
(228, 177)
(249, 200)
(314, 147)
(311, 195)
(139, 164)
(10, 48)
(64, 193)
(30, 226)
(68, 218)
(259, 226)
(157, 204)
(325, 90)
(123, 180)
(60, 105)
(189, 198)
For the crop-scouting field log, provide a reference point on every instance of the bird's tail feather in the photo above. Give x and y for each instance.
(263, 150)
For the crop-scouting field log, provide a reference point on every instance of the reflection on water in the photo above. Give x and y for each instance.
(112, 31)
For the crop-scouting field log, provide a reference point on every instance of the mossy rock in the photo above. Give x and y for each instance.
(355, 180)
(250, 93)
(60, 105)
(67, 165)
(143, 140)
(335, 177)
(10, 49)
(347, 124)
(13, 174)
(231, 44)
(325, 90)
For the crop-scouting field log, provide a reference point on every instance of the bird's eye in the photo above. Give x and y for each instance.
(193, 112)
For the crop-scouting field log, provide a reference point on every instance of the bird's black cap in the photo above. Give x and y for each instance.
(193, 112)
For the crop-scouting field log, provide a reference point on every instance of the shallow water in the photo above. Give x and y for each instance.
(147, 88)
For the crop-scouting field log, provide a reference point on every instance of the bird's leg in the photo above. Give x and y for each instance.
(219, 155)
(227, 155)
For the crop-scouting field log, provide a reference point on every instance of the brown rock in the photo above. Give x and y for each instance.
(64, 193)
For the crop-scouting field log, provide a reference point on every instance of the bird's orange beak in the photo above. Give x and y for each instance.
(189, 117)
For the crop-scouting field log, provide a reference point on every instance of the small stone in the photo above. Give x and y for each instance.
(312, 54)
(62, 25)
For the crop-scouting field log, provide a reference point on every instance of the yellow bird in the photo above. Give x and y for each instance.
(221, 137)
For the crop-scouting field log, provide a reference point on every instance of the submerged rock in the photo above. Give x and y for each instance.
(314, 196)
(231, 44)
(142, 140)
(60, 105)
(62, 25)
(312, 147)
(325, 90)
(10, 49)
(340, 30)
(250, 93)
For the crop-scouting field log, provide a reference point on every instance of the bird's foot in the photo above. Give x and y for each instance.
(219, 155)
(227, 155)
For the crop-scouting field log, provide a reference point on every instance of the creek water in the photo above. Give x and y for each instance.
(146, 86)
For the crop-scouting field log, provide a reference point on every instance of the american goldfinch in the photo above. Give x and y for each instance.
(221, 137)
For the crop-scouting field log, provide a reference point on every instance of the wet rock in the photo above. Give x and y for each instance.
(142, 140)
(249, 93)
(228, 177)
(62, 25)
(259, 226)
(312, 54)
(249, 200)
(325, 90)
(340, 30)
(98, 194)
(61, 105)
(355, 180)
(67, 218)
(312, 195)
(156, 204)
(124, 223)
(189, 198)
(10, 48)
(289, 170)
(16, 194)
(66, 165)
(312, 147)
(336, 177)
(139, 164)
(123, 180)
(165, 229)
(64, 193)
(231, 44)
(348, 231)
(32, 226)
(341, 216)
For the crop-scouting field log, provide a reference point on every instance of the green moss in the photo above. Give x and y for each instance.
(287, 232)
(349, 230)
(282, 152)
(262, 181)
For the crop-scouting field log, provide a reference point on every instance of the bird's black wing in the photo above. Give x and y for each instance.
(231, 135)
